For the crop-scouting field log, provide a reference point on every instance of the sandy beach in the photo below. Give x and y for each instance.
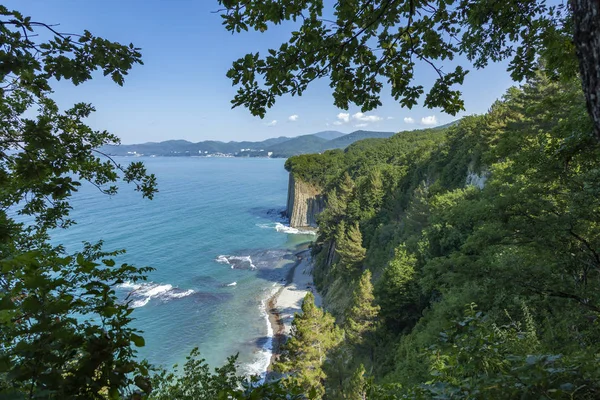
(288, 300)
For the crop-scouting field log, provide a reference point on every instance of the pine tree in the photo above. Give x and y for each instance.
(338, 369)
(357, 386)
(313, 334)
(349, 246)
(361, 319)
(397, 293)
(418, 211)
(375, 192)
(346, 187)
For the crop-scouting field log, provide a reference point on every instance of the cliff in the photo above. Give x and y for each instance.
(304, 203)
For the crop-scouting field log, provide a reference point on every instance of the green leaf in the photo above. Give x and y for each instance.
(137, 340)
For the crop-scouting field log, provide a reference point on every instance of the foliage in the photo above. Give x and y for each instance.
(360, 322)
(196, 382)
(349, 246)
(64, 332)
(525, 239)
(500, 210)
(475, 358)
(397, 292)
(366, 43)
(358, 386)
(303, 354)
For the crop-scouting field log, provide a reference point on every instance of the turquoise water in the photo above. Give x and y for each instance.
(213, 223)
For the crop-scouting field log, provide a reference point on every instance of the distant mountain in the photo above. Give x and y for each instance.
(315, 143)
(298, 145)
(281, 147)
(346, 140)
(329, 135)
(185, 148)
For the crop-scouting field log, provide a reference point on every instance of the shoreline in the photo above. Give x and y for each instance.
(287, 301)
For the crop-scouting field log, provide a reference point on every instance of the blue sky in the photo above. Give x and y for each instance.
(181, 91)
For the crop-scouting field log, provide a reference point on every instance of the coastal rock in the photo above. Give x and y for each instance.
(304, 203)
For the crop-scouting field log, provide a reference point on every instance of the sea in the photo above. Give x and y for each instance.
(219, 246)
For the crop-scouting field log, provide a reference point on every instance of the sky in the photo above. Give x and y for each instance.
(181, 91)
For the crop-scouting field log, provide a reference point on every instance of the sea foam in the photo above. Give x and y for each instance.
(279, 227)
(263, 357)
(141, 293)
(238, 262)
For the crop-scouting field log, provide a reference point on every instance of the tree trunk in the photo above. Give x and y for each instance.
(586, 18)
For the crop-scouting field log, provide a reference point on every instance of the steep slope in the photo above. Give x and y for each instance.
(481, 240)
(304, 203)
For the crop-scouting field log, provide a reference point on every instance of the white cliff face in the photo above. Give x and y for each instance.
(474, 179)
(304, 203)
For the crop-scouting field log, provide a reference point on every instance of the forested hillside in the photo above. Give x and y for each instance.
(463, 263)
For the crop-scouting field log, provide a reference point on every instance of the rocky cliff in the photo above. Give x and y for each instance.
(304, 203)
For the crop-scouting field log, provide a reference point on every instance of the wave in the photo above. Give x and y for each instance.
(238, 262)
(231, 284)
(288, 229)
(263, 356)
(140, 294)
(279, 227)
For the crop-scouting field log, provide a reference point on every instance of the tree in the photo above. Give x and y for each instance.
(345, 187)
(586, 35)
(397, 293)
(196, 382)
(63, 331)
(357, 387)
(361, 319)
(313, 334)
(475, 358)
(349, 246)
(367, 42)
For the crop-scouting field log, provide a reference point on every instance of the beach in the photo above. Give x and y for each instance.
(288, 300)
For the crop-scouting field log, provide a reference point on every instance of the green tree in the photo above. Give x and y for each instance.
(358, 385)
(345, 187)
(349, 246)
(362, 316)
(313, 334)
(373, 192)
(397, 292)
(338, 371)
(197, 382)
(475, 358)
(368, 42)
(63, 331)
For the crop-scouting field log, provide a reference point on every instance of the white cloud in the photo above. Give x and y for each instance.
(366, 118)
(293, 118)
(272, 123)
(344, 117)
(390, 117)
(431, 120)
(409, 120)
(360, 125)
(362, 119)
